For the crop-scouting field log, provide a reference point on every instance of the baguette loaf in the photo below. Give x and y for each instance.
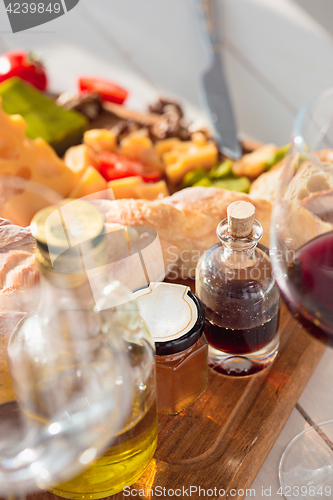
(311, 177)
(185, 223)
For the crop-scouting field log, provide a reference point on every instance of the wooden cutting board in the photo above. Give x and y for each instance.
(222, 440)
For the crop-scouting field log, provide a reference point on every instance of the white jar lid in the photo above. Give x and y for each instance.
(173, 314)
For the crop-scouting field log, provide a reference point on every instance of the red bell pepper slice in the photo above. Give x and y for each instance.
(107, 90)
(113, 166)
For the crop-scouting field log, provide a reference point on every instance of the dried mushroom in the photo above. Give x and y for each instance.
(162, 106)
(88, 104)
(125, 128)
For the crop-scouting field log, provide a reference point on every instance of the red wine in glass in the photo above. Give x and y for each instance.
(311, 279)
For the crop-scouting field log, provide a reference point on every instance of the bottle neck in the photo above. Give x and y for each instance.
(72, 275)
(239, 253)
(66, 305)
(239, 256)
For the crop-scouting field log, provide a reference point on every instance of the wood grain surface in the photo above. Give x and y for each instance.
(222, 440)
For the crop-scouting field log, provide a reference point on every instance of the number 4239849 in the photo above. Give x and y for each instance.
(302, 491)
(33, 8)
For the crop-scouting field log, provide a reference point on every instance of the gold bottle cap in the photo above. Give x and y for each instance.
(68, 232)
(240, 218)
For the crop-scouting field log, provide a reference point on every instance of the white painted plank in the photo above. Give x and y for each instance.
(284, 43)
(160, 37)
(317, 398)
(267, 481)
(260, 115)
(75, 48)
(287, 49)
(321, 10)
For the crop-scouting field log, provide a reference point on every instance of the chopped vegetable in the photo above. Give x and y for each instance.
(233, 183)
(113, 166)
(276, 157)
(24, 66)
(194, 176)
(204, 182)
(219, 176)
(220, 171)
(107, 90)
(60, 127)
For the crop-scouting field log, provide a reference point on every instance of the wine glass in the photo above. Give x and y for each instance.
(302, 258)
(71, 418)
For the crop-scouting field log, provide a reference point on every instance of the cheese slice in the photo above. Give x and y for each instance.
(125, 188)
(152, 190)
(135, 187)
(90, 182)
(100, 139)
(179, 157)
(186, 156)
(33, 160)
(77, 159)
(20, 208)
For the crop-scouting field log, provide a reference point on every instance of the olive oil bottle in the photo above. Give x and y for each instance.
(77, 305)
(121, 465)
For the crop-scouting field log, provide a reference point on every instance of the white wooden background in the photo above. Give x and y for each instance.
(278, 54)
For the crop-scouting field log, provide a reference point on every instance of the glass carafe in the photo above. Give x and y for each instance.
(234, 282)
(78, 303)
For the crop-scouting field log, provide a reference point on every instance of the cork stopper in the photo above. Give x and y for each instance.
(240, 218)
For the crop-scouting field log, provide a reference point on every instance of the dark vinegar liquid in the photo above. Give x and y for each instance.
(241, 340)
(311, 275)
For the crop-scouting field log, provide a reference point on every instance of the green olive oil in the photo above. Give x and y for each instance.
(122, 464)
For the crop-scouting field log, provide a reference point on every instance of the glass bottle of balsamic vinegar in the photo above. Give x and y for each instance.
(80, 305)
(234, 282)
